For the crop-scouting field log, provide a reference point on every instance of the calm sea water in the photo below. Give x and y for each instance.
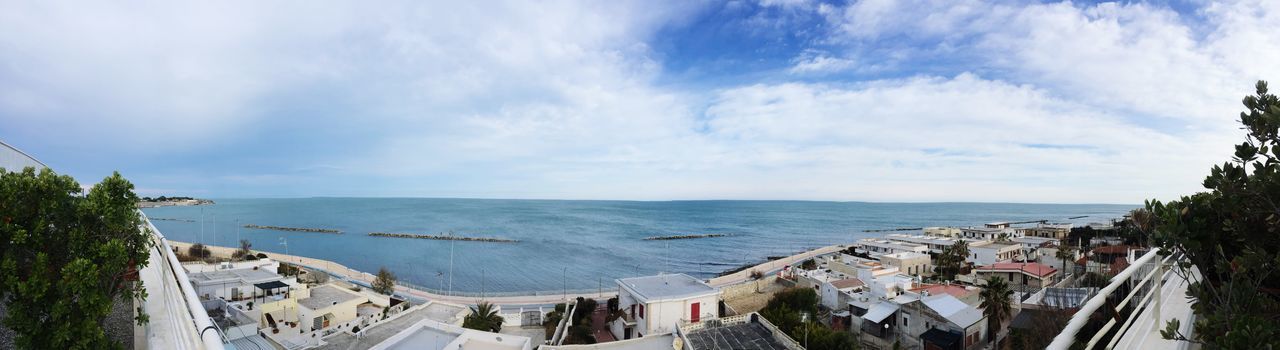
(589, 241)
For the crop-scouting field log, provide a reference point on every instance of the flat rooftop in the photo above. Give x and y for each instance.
(749, 335)
(248, 276)
(673, 286)
(326, 296)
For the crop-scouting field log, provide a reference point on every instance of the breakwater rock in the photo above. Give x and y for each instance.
(665, 238)
(292, 229)
(443, 238)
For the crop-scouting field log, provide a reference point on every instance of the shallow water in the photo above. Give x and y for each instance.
(590, 242)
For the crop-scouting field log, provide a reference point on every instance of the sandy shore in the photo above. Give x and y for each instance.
(355, 275)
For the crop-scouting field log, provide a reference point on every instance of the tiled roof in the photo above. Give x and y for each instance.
(1037, 269)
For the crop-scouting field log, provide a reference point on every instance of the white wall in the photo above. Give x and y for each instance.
(661, 317)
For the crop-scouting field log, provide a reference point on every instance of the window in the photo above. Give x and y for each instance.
(904, 320)
(641, 310)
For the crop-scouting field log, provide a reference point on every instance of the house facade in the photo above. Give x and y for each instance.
(1018, 275)
(657, 304)
(911, 263)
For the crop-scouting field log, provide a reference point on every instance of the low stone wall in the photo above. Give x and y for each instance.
(746, 288)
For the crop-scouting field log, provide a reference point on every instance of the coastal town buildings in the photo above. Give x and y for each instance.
(911, 263)
(987, 233)
(987, 252)
(940, 322)
(1043, 230)
(655, 304)
(1048, 255)
(1018, 275)
(950, 232)
(876, 247)
(936, 244)
(228, 281)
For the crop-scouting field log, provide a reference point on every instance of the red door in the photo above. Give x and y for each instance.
(693, 310)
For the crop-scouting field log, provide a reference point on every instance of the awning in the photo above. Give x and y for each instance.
(880, 311)
(270, 285)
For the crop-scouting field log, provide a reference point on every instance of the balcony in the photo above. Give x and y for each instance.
(1130, 311)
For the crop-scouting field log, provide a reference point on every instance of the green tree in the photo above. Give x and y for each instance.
(484, 317)
(1067, 254)
(996, 297)
(952, 259)
(65, 257)
(246, 250)
(1230, 238)
(198, 251)
(385, 282)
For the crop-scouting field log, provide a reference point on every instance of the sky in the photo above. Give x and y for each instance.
(872, 100)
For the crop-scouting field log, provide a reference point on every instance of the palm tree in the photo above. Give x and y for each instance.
(484, 317)
(995, 305)
(1066, 253)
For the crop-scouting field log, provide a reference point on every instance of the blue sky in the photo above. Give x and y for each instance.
(1076, 102)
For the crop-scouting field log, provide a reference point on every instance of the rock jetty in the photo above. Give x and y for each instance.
(442, 238)
(292, 229)
(665, 238)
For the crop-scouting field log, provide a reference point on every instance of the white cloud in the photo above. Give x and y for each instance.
(1067, 103)
(819, 62)
(1139, 58)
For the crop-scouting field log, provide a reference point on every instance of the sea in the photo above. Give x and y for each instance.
(570, 244)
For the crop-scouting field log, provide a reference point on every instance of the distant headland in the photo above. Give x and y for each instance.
(162, 201)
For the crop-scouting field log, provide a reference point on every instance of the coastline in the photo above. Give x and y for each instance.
(349, 274)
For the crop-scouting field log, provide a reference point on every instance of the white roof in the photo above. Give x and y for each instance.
(953, 309)
(879, 311)
(244, 276)
(666, 287)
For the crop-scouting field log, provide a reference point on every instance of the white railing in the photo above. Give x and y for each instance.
(1151, 270)
(187, 325)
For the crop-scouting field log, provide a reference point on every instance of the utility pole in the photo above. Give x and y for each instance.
(201, 224)
(565, 284)
(451, 266)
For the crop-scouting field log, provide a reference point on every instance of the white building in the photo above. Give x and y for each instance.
(329, 306)
(876, 247)
(235, 283)
(911, 263)
(936, 244)
(987, 253)
(430, 334)
(942, 231)
(657, 304)
(986, 233)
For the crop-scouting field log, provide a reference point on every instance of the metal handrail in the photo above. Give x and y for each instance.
(1065, 339)
(202, 321)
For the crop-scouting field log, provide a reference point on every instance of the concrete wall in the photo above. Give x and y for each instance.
(747, 288)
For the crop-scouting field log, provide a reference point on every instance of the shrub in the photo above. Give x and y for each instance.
(198, 251)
